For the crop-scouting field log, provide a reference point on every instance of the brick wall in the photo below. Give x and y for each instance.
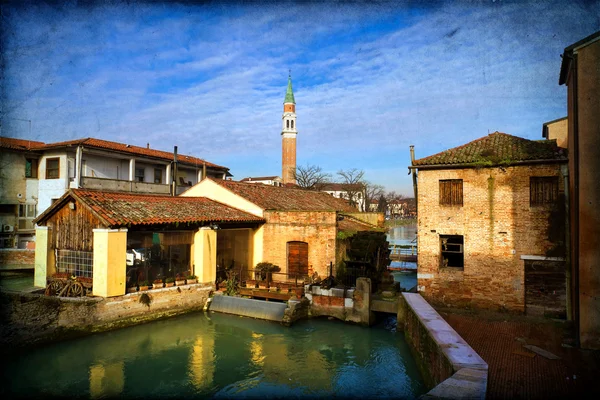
(498, 225)
(318, 229)
(17, 257)
(30, 318)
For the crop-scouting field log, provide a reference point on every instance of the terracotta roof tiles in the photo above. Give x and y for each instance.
(285, 198)
(136, 150)
(19, 144)
(496, 149)
(119, 209)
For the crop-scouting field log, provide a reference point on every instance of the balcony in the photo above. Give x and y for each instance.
(123, 185)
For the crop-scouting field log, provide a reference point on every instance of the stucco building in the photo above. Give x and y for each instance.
(216, 223)
(265, 180)
(580, 72)
(34, 174)
(490, 219)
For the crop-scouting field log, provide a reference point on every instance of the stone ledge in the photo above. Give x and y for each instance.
(470, 371)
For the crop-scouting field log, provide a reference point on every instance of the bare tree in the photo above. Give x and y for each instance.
(311, 177)
(372, 192)
(353, 185)
(382, 204)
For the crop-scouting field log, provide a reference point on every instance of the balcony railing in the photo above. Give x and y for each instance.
(123, 185)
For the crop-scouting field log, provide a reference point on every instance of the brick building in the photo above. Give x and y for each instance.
(301, 226)
(491, 225)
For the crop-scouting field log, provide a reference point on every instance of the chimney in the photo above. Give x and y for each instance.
(147, 145)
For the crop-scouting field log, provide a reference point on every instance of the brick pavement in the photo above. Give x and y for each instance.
(517, 373)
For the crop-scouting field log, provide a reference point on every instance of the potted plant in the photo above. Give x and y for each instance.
(251, 283)
(158, 283)
(191, 279)
(143, 285)
(169, 282)
(179, 280)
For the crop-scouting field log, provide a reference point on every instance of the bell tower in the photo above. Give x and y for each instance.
(288, 136)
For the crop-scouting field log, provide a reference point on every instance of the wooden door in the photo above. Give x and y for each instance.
(297, 259)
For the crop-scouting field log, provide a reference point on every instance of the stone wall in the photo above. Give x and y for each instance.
(352, 305)
(318, 229)
(29, 318)
(498, 226)
(17, 258)
(447, 363)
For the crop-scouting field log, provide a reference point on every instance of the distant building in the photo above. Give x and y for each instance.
(580, 72)
(353, 193)
(35, 174)
(265, 180)
(556, 130)
(491, 225)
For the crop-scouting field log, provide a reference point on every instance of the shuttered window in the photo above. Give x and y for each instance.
(451, 192)
(543, 190)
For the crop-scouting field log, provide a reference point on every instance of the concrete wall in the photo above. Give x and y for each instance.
(12, 177)
(447, 363)
(498, 225)
(29, 318)
(318, 229)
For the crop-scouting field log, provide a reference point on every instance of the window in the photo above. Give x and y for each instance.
(139, 174)
(31, 168)
(451, 192)
(292, 124)
(27, 213)
(452, 250)
(543, 190)
(287, 123)
(53, 168)
(157, 175)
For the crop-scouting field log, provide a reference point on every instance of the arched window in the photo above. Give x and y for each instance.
(287, 123)
(292, 124)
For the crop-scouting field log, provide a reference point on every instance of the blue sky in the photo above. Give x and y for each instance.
(369, 79)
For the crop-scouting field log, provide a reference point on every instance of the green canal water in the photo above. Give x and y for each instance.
(220, 356)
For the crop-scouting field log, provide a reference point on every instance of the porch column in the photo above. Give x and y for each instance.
(132, 169)
(78, 156)
(44, 256)
(110, 246)
(257, 246)
(205, 255)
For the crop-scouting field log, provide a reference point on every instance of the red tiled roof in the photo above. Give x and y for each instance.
(285, 198)
(496, 149)
(129, 149)
(19, 144)
(129, 209)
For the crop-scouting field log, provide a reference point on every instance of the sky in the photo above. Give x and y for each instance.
(370, 79)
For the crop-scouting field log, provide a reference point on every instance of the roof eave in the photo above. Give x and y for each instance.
(481, 165)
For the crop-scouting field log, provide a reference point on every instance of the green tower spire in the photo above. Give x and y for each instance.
(289, 94)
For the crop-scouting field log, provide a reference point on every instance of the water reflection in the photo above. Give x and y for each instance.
(219, 355)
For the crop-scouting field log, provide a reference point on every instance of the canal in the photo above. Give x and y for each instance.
(221, 356)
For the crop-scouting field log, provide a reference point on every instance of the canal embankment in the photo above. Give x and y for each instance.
(33, 318)
(446, 361)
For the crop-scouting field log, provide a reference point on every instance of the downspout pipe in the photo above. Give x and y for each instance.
(564, 169)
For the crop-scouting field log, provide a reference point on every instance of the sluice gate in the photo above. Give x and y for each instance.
(271, 311)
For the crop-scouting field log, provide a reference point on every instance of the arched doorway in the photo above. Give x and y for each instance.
(297, 259)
